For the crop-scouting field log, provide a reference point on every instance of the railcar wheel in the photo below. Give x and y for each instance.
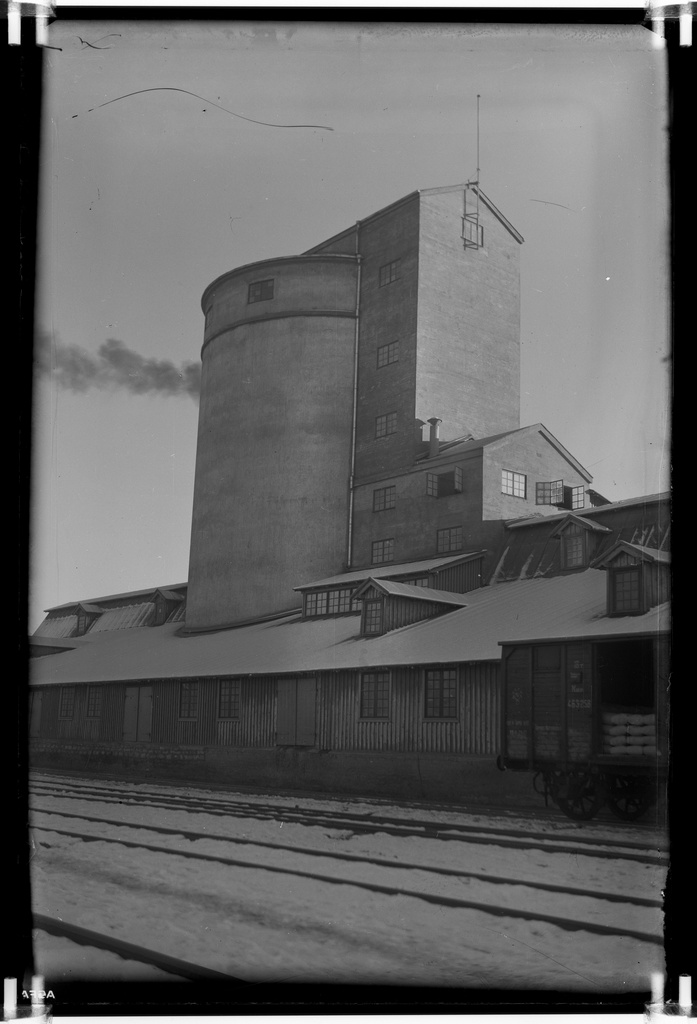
(582, 799)
(629, 796)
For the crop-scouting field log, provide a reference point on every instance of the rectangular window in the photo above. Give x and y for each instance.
(388, 354)
(384, 498)
(386, 424)
(372, 616)
(94, 701)
(66, 706)
(472, 232)
(316, 604)
(441, 693)
(549, 493)
(578, 497)
(188, 700)
(259, 291)
(331, 602)
(339, 601)
(626, 590)
(573, 547)
(375, 695)
(440, 485)
(382, 551)
(388, 273)
(513, 483)
(449, 540)
(229, 698)
(418, 581)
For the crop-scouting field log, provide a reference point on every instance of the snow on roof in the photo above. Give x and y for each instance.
(388, 571)
(116, 597)
(560, 607)
(414, 593)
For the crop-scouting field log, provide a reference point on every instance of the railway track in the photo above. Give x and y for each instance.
(487, 907)
(361, 823)
(129, 951)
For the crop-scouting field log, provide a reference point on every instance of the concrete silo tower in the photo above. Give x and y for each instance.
(271, 488)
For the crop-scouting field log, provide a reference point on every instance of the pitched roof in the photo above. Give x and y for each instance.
(408, 590)
(116, 597)
(392, 570)
(646, 554)
(561, 607)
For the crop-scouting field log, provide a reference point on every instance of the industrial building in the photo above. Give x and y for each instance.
(371, 528)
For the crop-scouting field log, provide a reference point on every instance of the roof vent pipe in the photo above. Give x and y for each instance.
(434, 438)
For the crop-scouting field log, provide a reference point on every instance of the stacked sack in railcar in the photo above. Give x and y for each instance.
(625, 732)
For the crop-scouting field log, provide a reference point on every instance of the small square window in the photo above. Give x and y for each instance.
(386, 424)
(229, 698)
(449, 540)
(66, 705)
(259, 291)
(94, 701)
(441, 693)
(549, 492)
(382, 551)
(372, 616)
(388, 354)
(188, 700)
(384, 498)
(388, 273)
(513, 483)
(375, 695)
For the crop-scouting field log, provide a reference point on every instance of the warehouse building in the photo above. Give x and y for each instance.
(371, 528)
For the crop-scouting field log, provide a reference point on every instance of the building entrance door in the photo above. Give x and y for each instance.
(137, 714)
(295, 712)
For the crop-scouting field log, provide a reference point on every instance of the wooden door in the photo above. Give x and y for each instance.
(35, 713)
(137, 714)
(295, 712)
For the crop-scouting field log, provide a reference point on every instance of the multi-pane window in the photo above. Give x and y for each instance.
(66, 704)
(441, 693)
(229, 698)
(382, 551)
(440, 485)
(513, 483)
(449, 540)
(94, 701)
(386, 424)
(331, 602)
(388, 354)
(372, 616)
(384, 498)
(388, 273)
(418, 581)
(260, 290)
(573, 546)
(577, 498)
(626, 590)
(375, 695)
(549, 492)
(188, 700)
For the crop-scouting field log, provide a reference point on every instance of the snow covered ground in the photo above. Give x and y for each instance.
(254, 924)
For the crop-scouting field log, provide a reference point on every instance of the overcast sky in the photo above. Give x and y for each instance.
(147, 199)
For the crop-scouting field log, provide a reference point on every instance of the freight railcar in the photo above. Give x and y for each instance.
(589, 719)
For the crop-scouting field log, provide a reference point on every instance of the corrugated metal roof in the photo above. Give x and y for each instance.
(57, 626)
(598, 510)
(124, 617)
(388, 571)
(115, 597)
(556, 608)
(414, 593)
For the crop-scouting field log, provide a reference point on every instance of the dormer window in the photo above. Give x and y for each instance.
(330, 602)
(578, 539)
(87, 614)
(371, 622)
(166, 601)
(625, 596)
(637, 578)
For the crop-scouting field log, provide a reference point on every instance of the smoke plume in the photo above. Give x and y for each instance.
(115, 366)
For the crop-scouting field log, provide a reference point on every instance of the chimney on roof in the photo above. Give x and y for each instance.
(434, 437)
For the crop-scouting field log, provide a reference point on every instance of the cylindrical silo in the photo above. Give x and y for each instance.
(271, 488)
